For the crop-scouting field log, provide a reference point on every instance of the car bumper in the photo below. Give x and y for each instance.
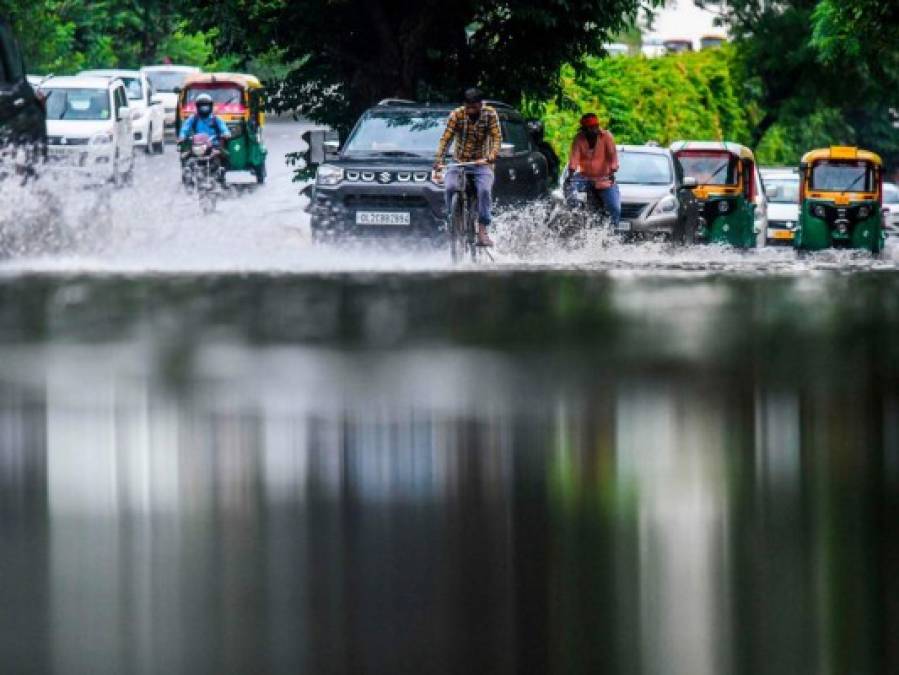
(780, 234)
(86, 160)
(337, 209)
(642, 222)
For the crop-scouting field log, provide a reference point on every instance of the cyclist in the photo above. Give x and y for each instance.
(474, 130)
(593, 162)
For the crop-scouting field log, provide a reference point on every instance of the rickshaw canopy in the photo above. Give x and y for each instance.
(734, 149)
(840, 152)
(241, 79)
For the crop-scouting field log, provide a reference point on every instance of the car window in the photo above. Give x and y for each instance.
(787, 190)
(133, 87)
(77, 104)
(890, 193)
(643, 168)
(166, 81)
(516, 133)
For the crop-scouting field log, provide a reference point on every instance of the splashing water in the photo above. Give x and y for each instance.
(61, 225)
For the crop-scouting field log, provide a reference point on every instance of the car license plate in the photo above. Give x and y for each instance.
(623, 226)
(781, 234)
(383, 218)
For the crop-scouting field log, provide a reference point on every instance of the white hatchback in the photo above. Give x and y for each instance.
(148, 115)
(89, 129)
(782, 188)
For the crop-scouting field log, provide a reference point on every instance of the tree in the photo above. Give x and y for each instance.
(350, 53)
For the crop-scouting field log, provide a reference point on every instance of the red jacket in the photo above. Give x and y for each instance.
(597, 163)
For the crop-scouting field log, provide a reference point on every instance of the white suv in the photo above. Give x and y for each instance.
(149, 114)
(89, 128)
(167, 81)
(782, 188)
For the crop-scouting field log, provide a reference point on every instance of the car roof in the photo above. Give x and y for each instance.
(76, 81)
(645, 149)
(172, 67)
(109, 72)
(784, 174)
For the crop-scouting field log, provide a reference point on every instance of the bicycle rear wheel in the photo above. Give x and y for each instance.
(457, 228)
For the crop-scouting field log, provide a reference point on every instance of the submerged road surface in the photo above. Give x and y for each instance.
(225, 450)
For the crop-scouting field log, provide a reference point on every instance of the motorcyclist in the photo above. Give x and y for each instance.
(205, 122)
(592, 164)
(474, 130)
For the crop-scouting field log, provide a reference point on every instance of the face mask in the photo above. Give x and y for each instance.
(204, 110)
(591, 133)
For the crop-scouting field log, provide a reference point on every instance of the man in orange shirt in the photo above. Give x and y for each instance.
(592, 164)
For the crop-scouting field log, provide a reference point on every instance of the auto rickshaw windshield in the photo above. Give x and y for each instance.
(226, 95)
(836, 176)
(710, 168)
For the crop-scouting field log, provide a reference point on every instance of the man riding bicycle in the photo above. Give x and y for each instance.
(475, 132)
(592, 165)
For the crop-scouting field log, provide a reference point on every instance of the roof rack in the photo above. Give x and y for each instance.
(396, 101)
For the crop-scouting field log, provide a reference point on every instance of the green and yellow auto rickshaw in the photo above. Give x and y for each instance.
(840, 200)
(238, 100)
(725, 191)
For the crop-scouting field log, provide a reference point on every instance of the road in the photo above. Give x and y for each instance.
(154, 227)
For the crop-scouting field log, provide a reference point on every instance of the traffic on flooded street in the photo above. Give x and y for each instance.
(543, 340)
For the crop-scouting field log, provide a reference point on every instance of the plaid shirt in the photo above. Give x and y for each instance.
(476, 140)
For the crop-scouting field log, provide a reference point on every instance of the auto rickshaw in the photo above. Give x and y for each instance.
(724, 210)
(238, 101)
(840, 200)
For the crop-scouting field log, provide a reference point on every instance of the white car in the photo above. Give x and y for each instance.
(89, 128)
(782, 188)
(149, 114)
(891, 209)
(762, 211)
(167, 81)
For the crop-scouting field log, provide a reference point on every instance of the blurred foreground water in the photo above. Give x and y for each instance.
(511, 472)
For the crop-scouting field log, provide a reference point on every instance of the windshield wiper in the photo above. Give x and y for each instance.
(855, 182)
(395, 153)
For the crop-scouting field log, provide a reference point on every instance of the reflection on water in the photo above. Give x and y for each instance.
(587, 474)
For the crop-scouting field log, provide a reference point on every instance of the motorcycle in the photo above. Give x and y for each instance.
(201, 170)
(577, 208)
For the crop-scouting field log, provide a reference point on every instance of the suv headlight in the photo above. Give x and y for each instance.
(666, 205)
(102, 138)
(328, 175)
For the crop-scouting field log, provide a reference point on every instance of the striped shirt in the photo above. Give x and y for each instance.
(472, 141)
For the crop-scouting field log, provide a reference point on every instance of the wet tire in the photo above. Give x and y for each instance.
(159, 146)
(456, 231)
(261, 173)
(148, 148)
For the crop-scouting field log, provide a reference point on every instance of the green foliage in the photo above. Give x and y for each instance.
(686, 96)
(348, 55)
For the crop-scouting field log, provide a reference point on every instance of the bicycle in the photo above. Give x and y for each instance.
(463, 217)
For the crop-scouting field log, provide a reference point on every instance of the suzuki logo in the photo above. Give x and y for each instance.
(384, 177)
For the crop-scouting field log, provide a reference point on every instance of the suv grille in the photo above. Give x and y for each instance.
(385, 201)
(632, 210)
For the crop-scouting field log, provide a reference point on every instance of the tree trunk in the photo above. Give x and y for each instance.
(761, 129)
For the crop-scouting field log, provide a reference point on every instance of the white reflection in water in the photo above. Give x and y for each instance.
(669, 444)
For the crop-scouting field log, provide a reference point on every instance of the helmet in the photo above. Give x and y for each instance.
(204, 105)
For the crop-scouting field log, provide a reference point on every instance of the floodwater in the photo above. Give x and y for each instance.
(225, 451)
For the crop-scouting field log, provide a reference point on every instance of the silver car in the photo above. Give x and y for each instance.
(648, 180)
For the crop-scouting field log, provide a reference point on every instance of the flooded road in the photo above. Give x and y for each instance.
(223, 450)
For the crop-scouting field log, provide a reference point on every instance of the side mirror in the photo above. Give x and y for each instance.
(506, 150)
(331, 147)
(771, 191)
(125, 113)
(689, 183)
(176, 90)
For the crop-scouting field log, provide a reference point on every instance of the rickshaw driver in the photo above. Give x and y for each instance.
(594, 160)
(475, 132)
(204, 122)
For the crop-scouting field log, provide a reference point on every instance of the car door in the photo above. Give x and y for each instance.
(514, 174)
(21, 115)
(124, 130)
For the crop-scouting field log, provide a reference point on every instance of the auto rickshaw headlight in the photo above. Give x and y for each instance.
(329, 175)
(818, 211)
(723, 206)
(864, 212)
